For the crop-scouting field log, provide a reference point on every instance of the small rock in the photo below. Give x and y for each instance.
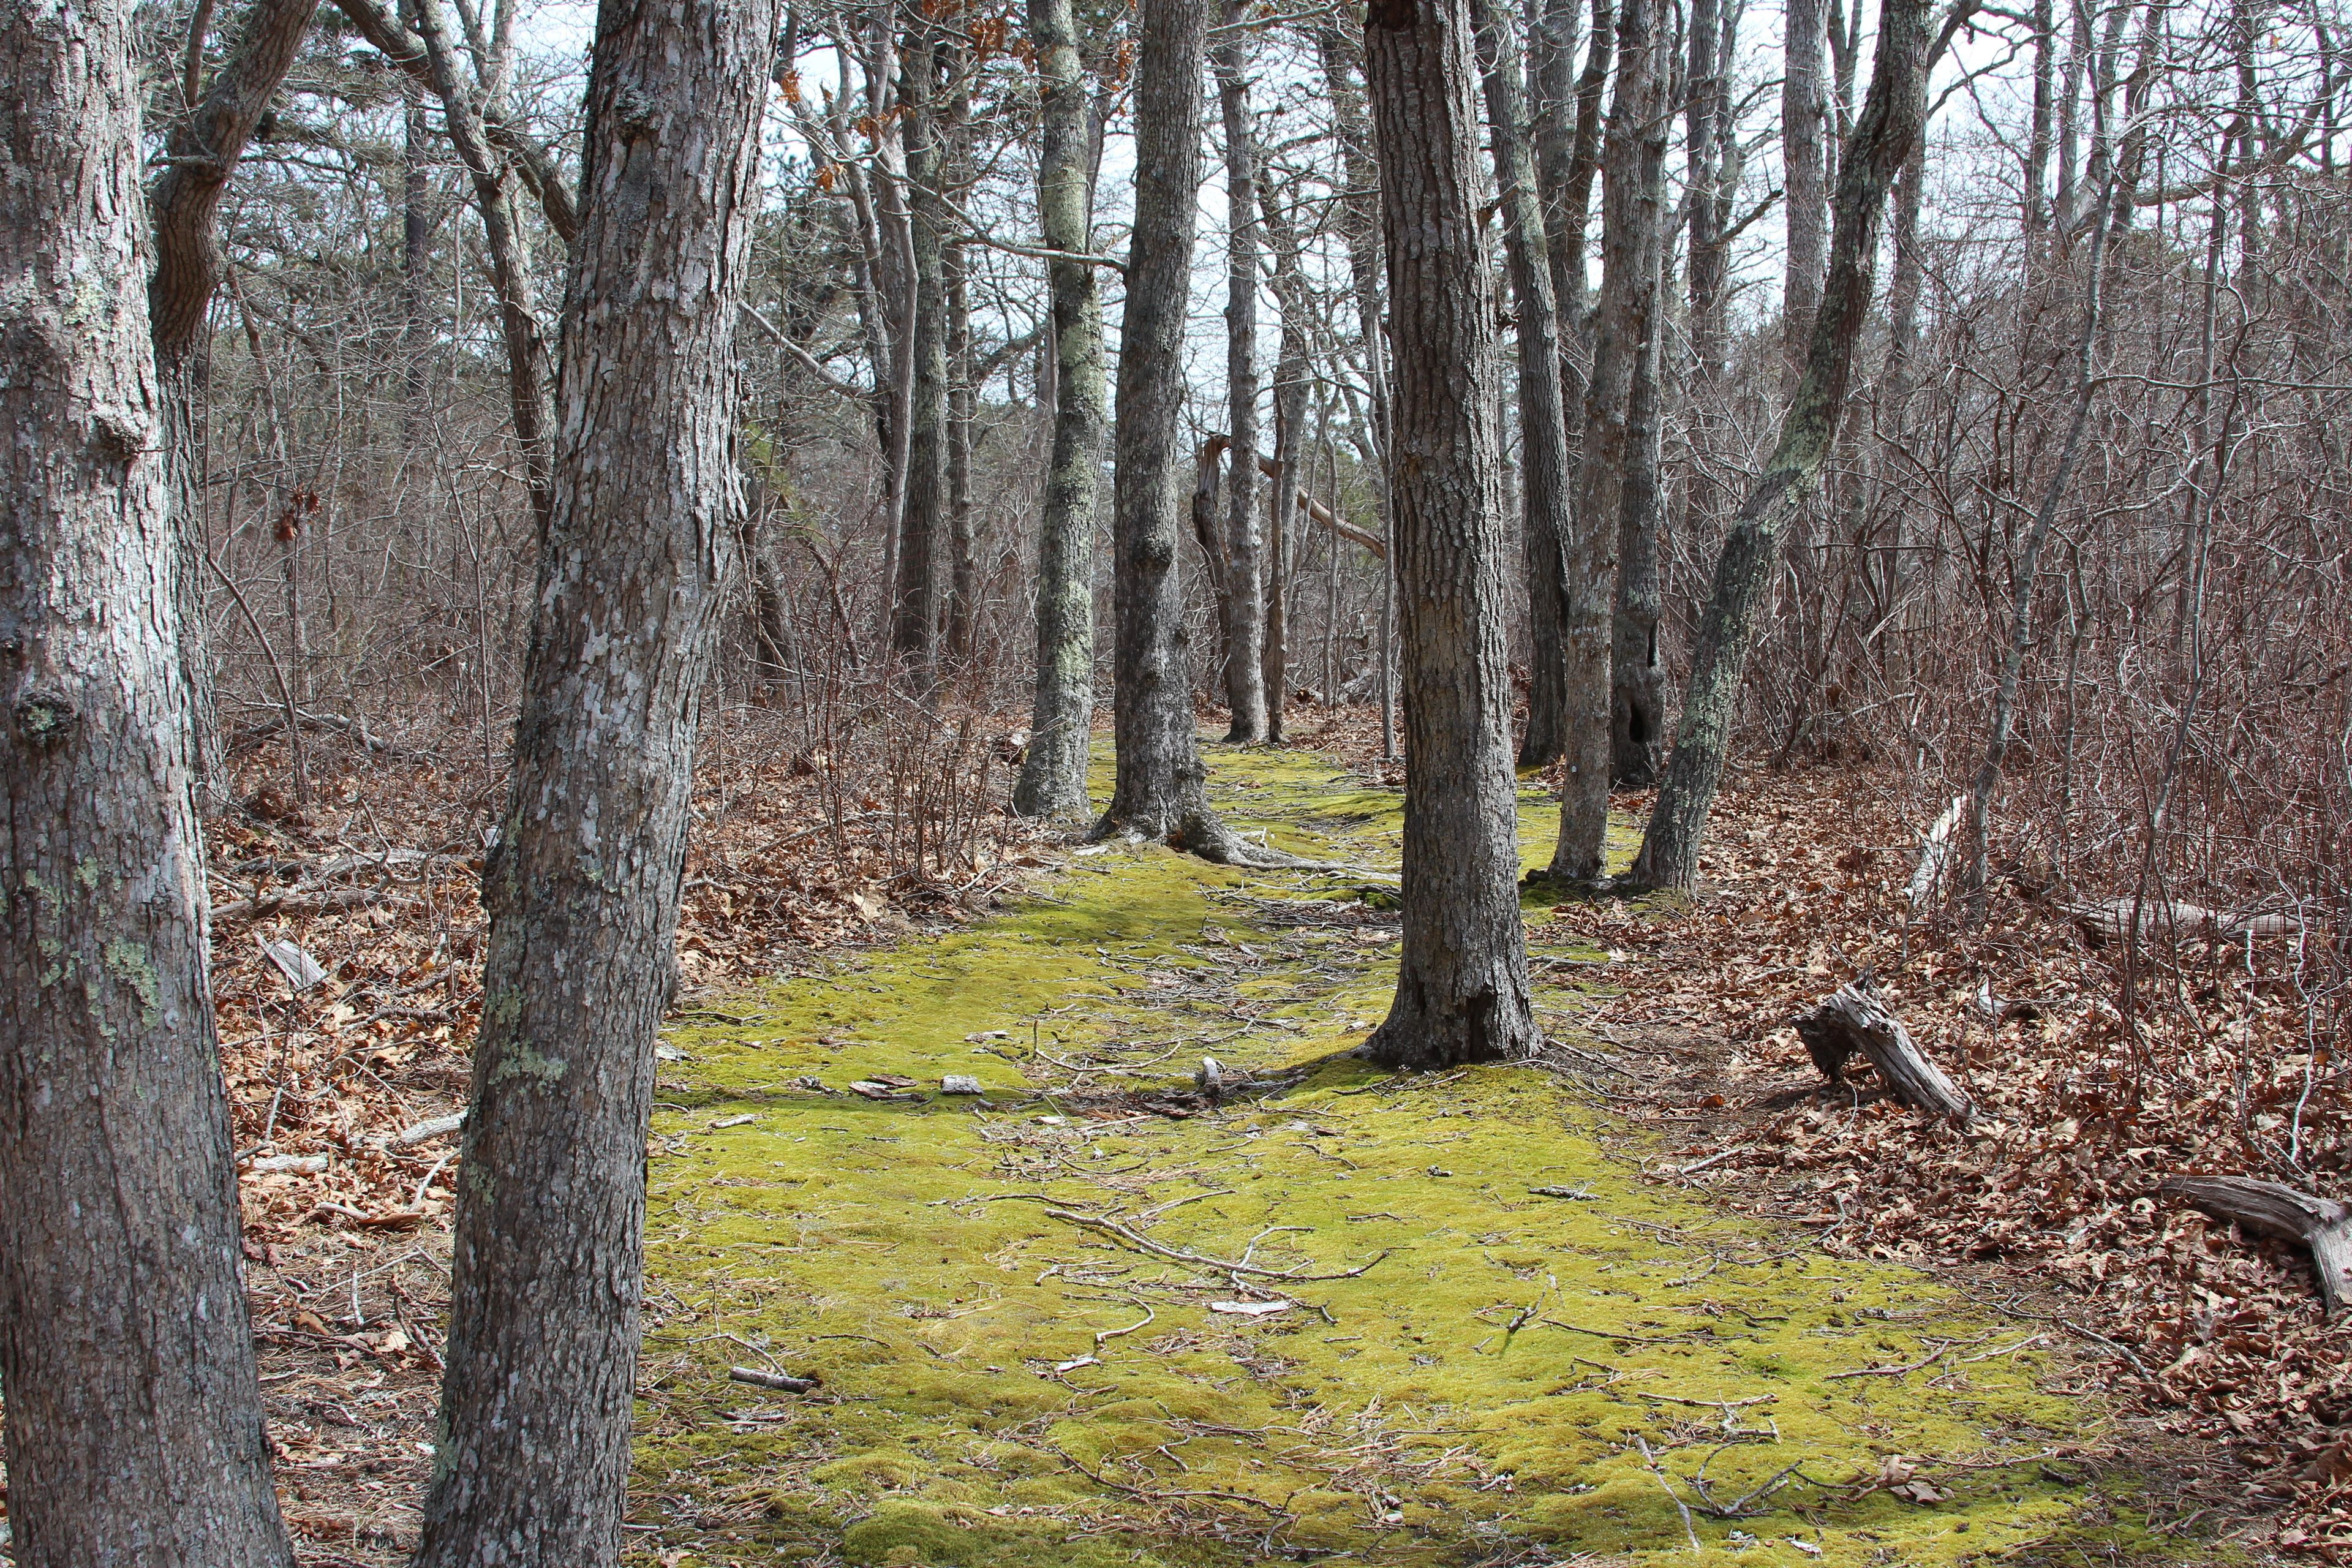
(960, 1083)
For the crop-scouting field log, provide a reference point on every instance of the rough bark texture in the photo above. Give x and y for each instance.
(1883, 138)
(582, 884)
(915, 628)
(1622, 323)
(1703, 119)
(1461, 980)
(184, 204)
(1636, 672)
(1544, 520)
(133, 1418)
(1804, 123)
(1245, 570)
(1053, 782)
(1160, 790)
(1361, 230)
(1290, 376)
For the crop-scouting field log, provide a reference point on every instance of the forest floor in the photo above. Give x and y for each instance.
(1662, 1291)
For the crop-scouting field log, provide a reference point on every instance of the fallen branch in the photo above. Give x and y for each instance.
(752, 1375)
(2276, 1210)
(1181, 1254)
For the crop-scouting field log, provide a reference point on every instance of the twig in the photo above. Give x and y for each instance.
(1181, 1254)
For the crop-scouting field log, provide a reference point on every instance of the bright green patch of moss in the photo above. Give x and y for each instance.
(1475, 1379)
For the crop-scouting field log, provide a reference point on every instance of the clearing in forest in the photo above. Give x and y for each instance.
(1091, 1318)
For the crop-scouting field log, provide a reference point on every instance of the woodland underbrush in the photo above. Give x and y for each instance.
(2100, 1065)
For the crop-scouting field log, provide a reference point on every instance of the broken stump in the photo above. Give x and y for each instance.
(1856, 1021)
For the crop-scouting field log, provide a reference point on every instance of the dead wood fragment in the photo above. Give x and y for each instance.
(1854, 1019)
(752, 1375)
(2276, 1210)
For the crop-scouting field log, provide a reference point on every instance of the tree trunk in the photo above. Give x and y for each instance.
(1621, 325)
(1636, 673)
(184, 204)
(915, 628)
(1291, 370)
(1462, 981)
(1805, 179)
(582, 884)
(963, 565)
(1245, 571)
(1053, 782)
(133, 1416)
(1545, 526)
(1160, 790)
(1883, 139)
(1361, 230)
(1706, 129)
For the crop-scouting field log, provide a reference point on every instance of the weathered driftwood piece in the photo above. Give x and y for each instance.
(2275, 1210)
(1854, 1020)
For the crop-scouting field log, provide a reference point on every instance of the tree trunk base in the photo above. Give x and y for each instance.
(2272, 1209)
(1856, 1021)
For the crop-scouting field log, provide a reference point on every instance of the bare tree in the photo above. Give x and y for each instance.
(1160, 791)
(185, 203)
(1545, 523)
(1053, 782)
(133, 1415)
(1882, 143)
(1245, 570)
(582, 885)
(1804, 159)
(1462, 981)
(1623, 326)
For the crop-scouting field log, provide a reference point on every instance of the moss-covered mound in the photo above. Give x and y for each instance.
(1396, 1320)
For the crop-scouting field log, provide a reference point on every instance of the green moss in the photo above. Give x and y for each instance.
(1483, 1383)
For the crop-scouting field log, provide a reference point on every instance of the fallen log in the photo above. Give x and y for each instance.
(1854, 1019)
(2109, 921)
(2275, 1210)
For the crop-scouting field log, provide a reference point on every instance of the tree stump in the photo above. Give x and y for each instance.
(1854, 1020)
(2278, 1211)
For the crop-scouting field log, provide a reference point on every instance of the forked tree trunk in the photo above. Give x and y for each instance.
(1621, 325)
(1053, 782)
(1545, 525)
(184, 204)
(1244, 571)
(133, 1416)
(582, 885)
(1881, 142)
(1462, 981)
(1160, 791)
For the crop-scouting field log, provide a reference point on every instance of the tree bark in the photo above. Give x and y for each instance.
(1361, 230)
(1545, 524)
(184, 204)
(1805, 179)
(1161, 788)
(1291, 375)
(582, 884)
(133, 1418)
(915, 627)
(1622, 324)
(1244, 571)
(1883, 138)
(1636, 672)
(1462, 981)
(1052, 782)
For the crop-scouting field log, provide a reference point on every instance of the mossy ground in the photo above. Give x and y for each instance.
(1005, 1387)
